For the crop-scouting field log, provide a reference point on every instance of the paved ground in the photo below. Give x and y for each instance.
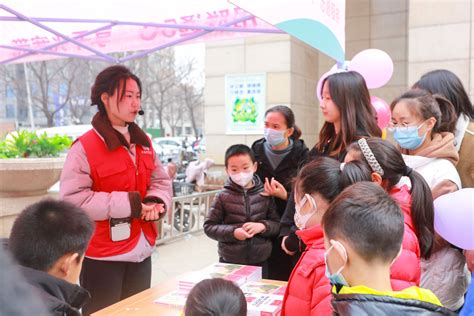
(193, 252)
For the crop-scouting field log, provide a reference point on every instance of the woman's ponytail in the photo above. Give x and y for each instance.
(422, 213)
(296, 133)
(448, 114)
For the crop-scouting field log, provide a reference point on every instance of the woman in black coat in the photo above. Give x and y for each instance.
(279, 155)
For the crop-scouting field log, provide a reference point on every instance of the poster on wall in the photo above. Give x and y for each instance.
(245, 97)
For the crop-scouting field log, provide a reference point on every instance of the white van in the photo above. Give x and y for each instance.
(73, 131)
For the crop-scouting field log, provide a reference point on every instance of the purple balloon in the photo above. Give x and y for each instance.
(454, 218)
(374, 65)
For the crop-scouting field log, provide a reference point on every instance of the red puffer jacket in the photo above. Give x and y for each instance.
(308, 291)
(406, 270)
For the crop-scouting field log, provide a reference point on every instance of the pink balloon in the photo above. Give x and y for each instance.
(334, 69)
(383, 111)
(374, 65)
(319, 87)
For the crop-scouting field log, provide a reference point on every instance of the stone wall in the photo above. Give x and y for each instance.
(291, 72)
(440, 35)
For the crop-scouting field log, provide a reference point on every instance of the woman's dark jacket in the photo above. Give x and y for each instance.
(286, 170)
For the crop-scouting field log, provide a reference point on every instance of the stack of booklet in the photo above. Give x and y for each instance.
(262, 298)
(239, 274)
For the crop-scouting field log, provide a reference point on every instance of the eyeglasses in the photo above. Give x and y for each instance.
(403, 127)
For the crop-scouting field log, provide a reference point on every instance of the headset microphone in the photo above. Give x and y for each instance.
(141, 112)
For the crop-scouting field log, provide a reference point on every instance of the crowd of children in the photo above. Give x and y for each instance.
(356, 231)
(349, 224)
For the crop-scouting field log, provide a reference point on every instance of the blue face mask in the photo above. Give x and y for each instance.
(408, 138)
(336, 278)
(274, 137)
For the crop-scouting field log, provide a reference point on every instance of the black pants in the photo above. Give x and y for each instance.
(263, 264)
(111, 281)
(280, 264)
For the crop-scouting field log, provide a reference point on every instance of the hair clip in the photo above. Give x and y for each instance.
(369, 156)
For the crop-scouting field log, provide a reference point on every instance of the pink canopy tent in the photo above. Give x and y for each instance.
(88, 29)
(38, 30)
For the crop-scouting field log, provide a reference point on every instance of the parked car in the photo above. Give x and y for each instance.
(168, 147)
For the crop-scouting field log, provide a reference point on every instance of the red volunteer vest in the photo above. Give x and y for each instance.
(115, 171)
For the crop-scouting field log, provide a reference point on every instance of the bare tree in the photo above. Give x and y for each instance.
(52, 85)
(160, 77)
(79, 101)
(63, 86)
(175, 112)
(193, 101)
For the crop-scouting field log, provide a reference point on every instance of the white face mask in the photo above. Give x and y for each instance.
(242, 178)
(302, 219)
(274, 137)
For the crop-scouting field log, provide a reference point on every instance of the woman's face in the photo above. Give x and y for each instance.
(125, 110)
(276, 121)
(402, 116)
(330, 110)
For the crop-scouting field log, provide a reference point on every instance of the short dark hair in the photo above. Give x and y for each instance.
(364, 216)
(237, 150)
(47, 230)
(217, 297)
(109, 80)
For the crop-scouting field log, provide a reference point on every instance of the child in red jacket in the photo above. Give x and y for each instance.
(408, 188)
(318, 183)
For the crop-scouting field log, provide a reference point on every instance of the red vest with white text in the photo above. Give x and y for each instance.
(115, 171)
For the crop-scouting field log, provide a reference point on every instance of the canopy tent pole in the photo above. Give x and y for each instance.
(204, 29)
(46, 28)
(184, 39)
(45, 50)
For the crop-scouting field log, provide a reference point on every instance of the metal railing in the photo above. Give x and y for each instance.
(186, 217)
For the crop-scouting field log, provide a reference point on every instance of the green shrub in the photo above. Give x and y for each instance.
(26, 144)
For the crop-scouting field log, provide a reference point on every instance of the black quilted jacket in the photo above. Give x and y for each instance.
(232, 208)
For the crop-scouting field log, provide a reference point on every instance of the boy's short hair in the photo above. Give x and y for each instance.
(47, 230)
(364, 216)
(237, 150)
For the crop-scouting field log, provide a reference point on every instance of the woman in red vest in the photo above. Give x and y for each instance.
(113, 173)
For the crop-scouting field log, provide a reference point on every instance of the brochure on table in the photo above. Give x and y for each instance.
(262, 298)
